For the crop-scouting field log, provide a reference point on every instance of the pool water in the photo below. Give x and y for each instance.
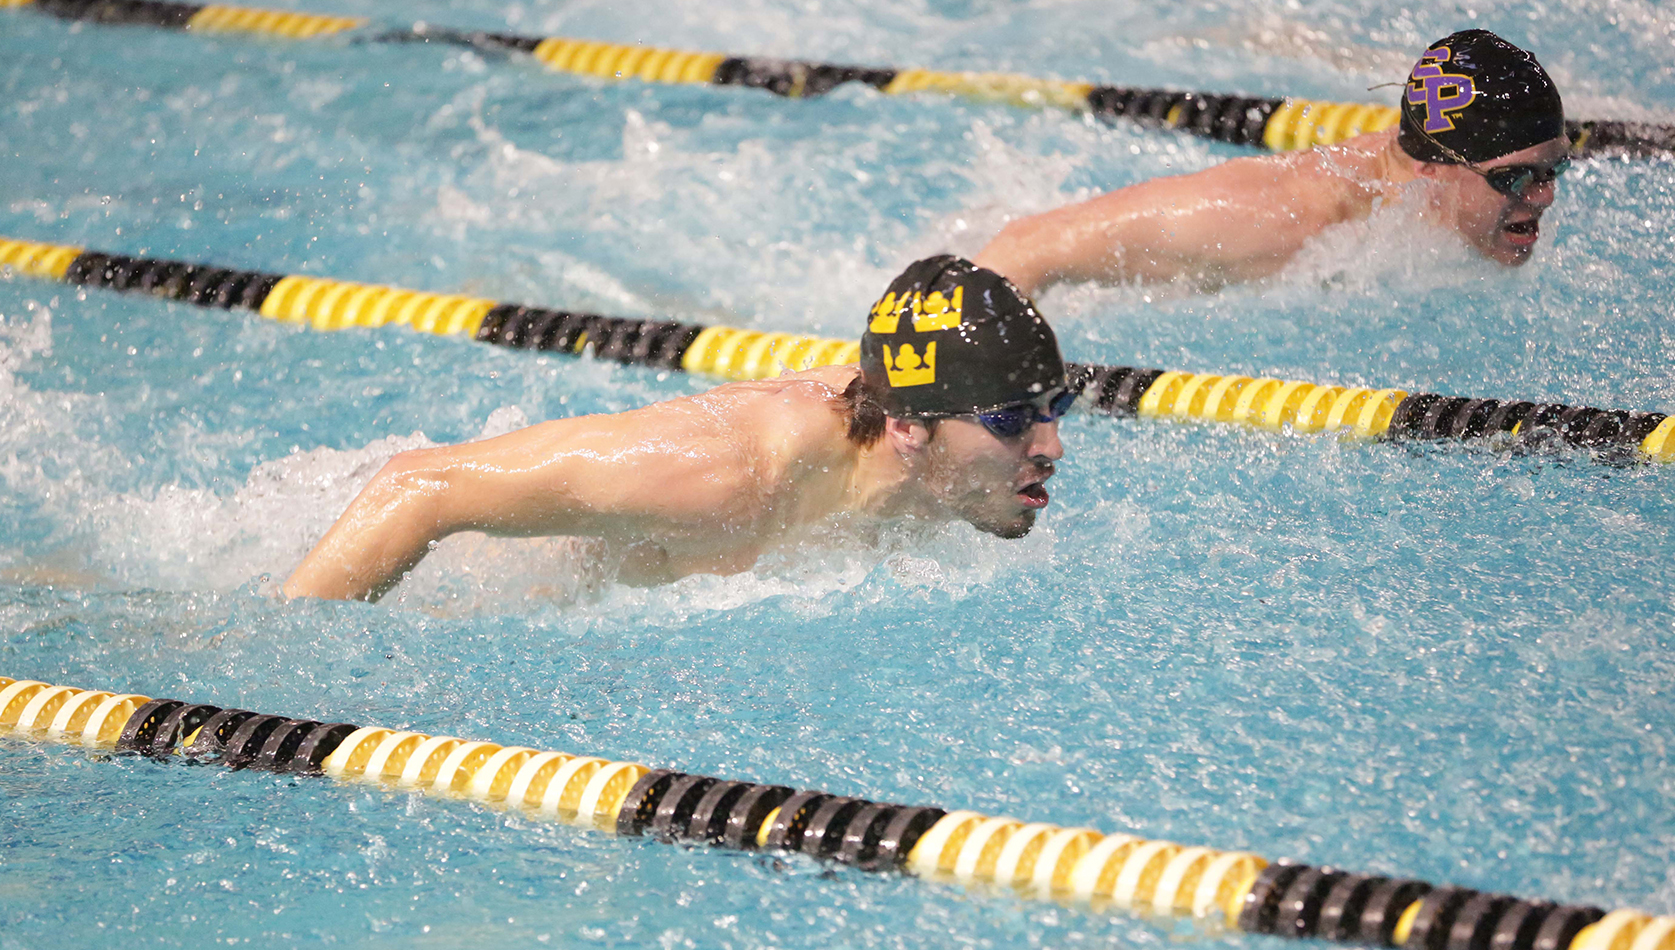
(1447, 662)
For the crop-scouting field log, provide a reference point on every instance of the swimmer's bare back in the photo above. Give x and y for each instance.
(700, 484)
(1243, 219)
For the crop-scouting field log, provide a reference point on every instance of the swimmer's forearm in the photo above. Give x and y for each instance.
(1079, 243)
(583, 477)
(387, 530)
(333, 574)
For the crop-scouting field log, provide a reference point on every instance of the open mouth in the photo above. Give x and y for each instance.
(1033, 495)
(1523, 232)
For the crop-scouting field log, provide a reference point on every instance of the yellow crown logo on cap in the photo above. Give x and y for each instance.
(907, 368)
(937, 312)
(886, 315)
(930, 312)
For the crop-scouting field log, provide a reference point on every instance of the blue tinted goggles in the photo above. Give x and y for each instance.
(1009, 422)
(1513, 180)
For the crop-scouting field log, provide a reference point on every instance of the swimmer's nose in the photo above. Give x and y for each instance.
(1541, 196)
(1044, 441)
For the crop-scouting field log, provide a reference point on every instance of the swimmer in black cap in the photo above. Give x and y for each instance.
(952, 414)
(1481, 125)
(960, 363)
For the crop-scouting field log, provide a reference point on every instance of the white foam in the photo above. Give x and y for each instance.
(1272, 34)
(47, 465)
(741, 232)
(840, 575)
(193, 537)
(1396, 244)
(175, 536)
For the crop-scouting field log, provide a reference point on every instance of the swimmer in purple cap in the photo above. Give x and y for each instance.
(1481, 123)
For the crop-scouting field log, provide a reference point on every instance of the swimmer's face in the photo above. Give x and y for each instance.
(997, 485)
(1504, 228)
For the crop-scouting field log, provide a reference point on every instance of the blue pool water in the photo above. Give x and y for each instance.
(1445, 662)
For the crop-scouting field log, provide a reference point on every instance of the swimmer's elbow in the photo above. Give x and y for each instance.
(1013, 254)
(413, 490)
(386, 531)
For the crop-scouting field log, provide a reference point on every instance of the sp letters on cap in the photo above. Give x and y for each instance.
(1439, 92)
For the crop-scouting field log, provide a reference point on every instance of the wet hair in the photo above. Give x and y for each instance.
(860, 405)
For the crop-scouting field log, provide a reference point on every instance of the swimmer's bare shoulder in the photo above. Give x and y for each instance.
(1245, 218)
(710, 481)
(795, 414)
(1336, 183)
(786, 428)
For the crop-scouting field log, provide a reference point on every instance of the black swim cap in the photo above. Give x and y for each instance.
(950, 337)
(1476, 97)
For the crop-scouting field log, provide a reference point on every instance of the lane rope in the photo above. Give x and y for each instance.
(1614, 435)
(1079, 866)
(1278, 124)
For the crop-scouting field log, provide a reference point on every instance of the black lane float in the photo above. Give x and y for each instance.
(1275, 404)
(1079, 866)
(1278, 124)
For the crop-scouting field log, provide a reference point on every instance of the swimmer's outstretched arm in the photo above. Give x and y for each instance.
(655, 470)
(1239, 220)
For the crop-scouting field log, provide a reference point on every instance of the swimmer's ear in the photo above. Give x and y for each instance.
(1428, 170)
(909, 436)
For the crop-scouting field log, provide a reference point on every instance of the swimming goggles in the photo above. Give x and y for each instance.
(1510, 180)
(1513, 180)
(1009, 422)
(1013, 420)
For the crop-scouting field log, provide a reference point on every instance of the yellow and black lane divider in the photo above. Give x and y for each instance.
(1078, 866)
(326, 304)
(1269, 403)
(1367, 413)
(1278, 124)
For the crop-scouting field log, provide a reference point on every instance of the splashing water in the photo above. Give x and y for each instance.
(1440, 661)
